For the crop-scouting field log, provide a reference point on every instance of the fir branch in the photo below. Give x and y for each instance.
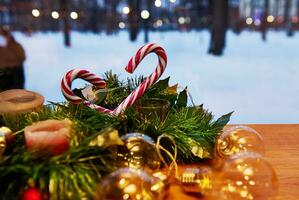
(74, 174)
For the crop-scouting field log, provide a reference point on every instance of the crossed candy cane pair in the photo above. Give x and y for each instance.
(66, 83)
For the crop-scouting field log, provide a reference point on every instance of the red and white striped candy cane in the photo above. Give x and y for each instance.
(66, 86)
(149, 81)
(131, 66)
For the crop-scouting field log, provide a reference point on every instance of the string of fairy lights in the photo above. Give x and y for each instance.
(54, 14)
(158, 21)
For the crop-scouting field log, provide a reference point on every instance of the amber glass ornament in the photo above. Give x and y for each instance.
(245, 175)
(239, 139)
(138, 152)
(130, 184)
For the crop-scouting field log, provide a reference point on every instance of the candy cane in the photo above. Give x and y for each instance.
(66, 85)
(131, 66)
(149, 81)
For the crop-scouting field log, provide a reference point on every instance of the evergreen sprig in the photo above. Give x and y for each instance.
(74, 174)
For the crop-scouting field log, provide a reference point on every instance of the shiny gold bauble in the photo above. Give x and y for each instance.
(138, 152)
(130, 184)
(244, 176)
(237, 139)
(5, 136)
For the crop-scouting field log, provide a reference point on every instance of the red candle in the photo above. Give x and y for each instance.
(50, 136)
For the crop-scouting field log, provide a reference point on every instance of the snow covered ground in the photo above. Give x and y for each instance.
(258, 80)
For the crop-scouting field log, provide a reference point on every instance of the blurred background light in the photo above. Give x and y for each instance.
(74, 15)
(145, 14)
(126, 10)
(55, 15)
(35, 13)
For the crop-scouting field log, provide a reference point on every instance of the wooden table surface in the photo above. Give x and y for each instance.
(282, 151)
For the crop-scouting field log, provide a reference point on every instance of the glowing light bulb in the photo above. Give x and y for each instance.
(249, 20)
(145, 14)
(35, 13)
(159, 23)
(74, 15)
(239, 139)
(55, 15)
(126, 10)
(138, 152)
(181, 20)
(245, 175)
(158, 3)
(121, 25)
(128, 183)
(270, 18)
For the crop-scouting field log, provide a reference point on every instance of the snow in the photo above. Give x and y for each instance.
(258, 80)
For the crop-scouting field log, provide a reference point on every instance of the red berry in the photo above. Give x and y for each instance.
(31, 194)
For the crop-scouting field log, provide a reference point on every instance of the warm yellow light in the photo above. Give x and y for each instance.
(145, 14)
(55, 15)
(159, 22)
(270, 18)
(121, 25)
(249, 20)
(35, 13)
(126, 10)
(130, 189)
(181, 20)
(74, 15)
(158, 3)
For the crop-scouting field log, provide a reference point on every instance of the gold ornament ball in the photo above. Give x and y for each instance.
(239, 139)
(245, 175)
(130, 184)
(5, 138)
(138, 152)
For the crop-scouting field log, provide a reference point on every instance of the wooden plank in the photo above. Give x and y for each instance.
(282, 151)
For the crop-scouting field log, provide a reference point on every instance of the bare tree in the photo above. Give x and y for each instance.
(219, 11)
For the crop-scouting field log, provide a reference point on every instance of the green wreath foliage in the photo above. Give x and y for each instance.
(75, 173)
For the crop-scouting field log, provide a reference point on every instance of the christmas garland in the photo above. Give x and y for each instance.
(75, 173)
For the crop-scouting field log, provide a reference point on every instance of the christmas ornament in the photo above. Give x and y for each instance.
(149, 109)
(48, 136)
(18, 101)
(192, 132)
(244, 175)
(110, 137)
(138, 152)
(237, 139)
(131, 66)
(133, 184)
(31, 193)
(2, 142)
(6, 138)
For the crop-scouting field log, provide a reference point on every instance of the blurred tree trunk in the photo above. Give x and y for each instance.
(219, 10)
(94, 16)
(287, 21)
(66, 26)
(264, 20)
(134, 18)
(146, 21)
